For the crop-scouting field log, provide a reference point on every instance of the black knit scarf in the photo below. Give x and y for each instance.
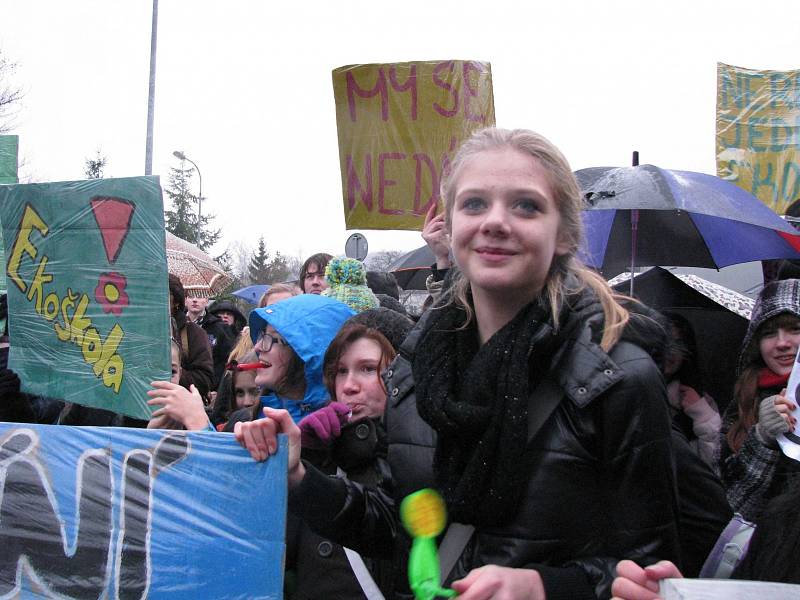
(476, 398)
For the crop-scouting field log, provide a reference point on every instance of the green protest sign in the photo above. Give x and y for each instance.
(9, 151)
(87, 290)
(9, 155)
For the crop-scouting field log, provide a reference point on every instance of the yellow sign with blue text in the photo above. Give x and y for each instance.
(758, 133)
(399, 125)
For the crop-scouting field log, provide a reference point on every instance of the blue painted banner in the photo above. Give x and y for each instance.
(91, 512)
(87, 290)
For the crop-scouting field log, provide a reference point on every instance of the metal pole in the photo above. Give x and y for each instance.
(634, 229)
(634, 235)
(151, 96)
(199, 204)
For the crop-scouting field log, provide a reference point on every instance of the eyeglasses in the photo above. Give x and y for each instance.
(265, 341)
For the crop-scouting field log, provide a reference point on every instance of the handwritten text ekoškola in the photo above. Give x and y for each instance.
(74, 327)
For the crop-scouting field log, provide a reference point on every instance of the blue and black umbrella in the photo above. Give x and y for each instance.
(648, 216)
(251, 293)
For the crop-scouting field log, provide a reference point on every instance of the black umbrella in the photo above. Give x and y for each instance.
(412, 269)
(718, 315)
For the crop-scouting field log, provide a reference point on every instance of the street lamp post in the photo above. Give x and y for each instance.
(151, 94)
(181, 156)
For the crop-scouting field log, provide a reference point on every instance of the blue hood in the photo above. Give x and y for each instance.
(308, 323)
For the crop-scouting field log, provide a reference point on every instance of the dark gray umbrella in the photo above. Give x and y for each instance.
(719, 318)
(412, 269)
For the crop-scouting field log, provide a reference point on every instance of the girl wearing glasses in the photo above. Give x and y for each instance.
(290, 339)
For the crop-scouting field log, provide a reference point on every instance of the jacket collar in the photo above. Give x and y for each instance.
(583, 370)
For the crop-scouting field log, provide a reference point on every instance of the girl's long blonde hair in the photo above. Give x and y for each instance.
(569, 202)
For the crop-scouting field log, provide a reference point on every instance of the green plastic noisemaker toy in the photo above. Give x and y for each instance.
(424, 516)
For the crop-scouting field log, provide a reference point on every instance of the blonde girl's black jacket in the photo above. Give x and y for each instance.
(602, 488)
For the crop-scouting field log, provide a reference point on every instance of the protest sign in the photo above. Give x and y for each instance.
(91, 512)
(758, 133)
(725, 589)
(9, 151)
(87, 290)
(9, 154)
(790, 442)
(399, 125)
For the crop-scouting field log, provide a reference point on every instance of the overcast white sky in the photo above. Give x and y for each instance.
(244, 88)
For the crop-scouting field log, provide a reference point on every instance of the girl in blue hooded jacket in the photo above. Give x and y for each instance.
(290, 339)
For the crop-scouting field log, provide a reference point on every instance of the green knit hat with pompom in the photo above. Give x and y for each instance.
(347, 282)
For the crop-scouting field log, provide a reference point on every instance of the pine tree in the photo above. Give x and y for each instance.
(279, 269)
(93, 168)
(265, 269)
(181, 219)
(258, 269)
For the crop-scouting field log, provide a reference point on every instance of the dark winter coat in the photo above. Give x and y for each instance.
(321, 567)
(87, 416)
(757, 473)
(18, 407)
(603, 488)
(197, 365)
(221, 338)
(316, 565)
(704, 509)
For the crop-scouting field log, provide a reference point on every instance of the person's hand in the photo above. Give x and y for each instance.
(688, 395)
(774, 418)
(635, 583)
(260, 439)
(500, 583)
(164, 422)
(178, 404)
(435, 235)
(320, 428)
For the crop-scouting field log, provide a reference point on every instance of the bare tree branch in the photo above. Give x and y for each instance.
(10, 95)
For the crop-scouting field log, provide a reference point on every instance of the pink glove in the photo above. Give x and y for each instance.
(321, 427)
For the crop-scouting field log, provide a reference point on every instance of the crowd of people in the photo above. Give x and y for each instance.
(566, 427)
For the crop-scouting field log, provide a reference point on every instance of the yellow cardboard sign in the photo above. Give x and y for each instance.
(399, 125)
(758, 133)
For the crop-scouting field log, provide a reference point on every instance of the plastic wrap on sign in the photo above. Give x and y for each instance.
(398, 125)
(758, 133)
(88, 298)
(91, 512)
(9, 156)
(9, 153)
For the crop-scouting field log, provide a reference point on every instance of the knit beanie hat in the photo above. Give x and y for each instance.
(777, 297)
(347, 282)
(393, 325)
